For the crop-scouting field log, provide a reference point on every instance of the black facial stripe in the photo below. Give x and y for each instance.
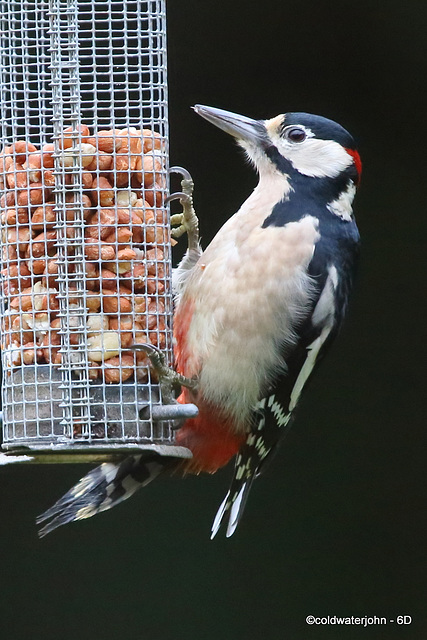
(313, 203)
(305, 191)
(272, 152)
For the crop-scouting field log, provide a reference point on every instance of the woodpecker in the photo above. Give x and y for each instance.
(255, 311)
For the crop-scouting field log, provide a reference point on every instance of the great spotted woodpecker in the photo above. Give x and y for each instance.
(255, 312)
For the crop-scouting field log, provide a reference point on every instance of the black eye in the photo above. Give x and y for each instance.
(295, 134)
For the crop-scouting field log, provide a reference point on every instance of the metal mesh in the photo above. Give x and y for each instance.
(86, 259)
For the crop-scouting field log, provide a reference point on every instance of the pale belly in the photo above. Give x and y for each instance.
(247, 292)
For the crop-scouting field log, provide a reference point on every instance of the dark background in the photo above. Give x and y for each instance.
(337, 525)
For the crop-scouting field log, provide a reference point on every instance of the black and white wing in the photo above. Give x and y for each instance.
(274, 413)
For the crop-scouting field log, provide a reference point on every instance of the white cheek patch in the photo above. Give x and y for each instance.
(342, 206)
(313, 157)
(318, 158)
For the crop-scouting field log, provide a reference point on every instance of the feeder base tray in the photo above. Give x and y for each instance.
(39, 453)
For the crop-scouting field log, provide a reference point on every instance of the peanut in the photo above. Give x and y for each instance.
(73, 205)
(141, 356)
(125, 326)
(119, 267)
(19, 277)
(153, 286)
(80, 155)
(148, 170)
(139, 305)
(38, 267)
(41, 245)
(92, 276)
(131, 141)
(135, 277)
(9, 254)
(116, 302)
(33, 195)
(102, 192)
(101, 224)
(93, 303)
(155, 234)
(80, 133)
(87, 180)
(122, 165)
(119, 368)
(96, 323)
(126, 199)
(94, 371)
(48, 178)
(126, 254)
(20, 236)
(158, 339)
(121, 235)
(153, 197)
(16, 177)
(103, 346)
(29, 353)
(100, 162)
(151, 140)
(51, 344)
(109, 280)
(47, 160)
(7, 199)
(33, 164)
(23, 302)
(16, 216)
(20, 331)
(108, 141)
(39, 322)
(13, 355)
(20, 149)
(43, 217)
(98, 250)
(44, 299)
(154, 262)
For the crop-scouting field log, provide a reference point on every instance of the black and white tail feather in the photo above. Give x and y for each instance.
(104, 487)
(270, 420)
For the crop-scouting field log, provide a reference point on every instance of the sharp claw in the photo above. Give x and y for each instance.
(179, 195)
(157, 358)
(183, 172)
(146, 346)
(187, 220)
(164, 372)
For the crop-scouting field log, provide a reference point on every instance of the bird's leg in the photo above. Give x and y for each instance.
(168, 378)
(187, 220)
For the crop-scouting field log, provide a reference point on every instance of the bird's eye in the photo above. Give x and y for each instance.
(295, 134)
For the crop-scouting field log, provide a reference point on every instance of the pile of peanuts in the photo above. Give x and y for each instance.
(125, 250)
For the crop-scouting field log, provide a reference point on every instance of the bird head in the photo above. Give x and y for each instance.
(292, 143)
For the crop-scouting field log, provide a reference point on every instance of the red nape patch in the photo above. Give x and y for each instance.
(210, 437)
(357, 161)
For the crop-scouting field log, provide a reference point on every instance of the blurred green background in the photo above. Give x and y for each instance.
(337, 525)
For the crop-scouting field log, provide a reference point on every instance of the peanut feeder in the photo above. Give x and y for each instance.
(85, 237)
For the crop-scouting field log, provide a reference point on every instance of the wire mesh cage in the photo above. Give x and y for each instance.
(85, 240)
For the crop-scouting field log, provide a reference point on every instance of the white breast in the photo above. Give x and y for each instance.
(248, 288)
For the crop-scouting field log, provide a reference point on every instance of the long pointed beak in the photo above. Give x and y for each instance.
(240, 127)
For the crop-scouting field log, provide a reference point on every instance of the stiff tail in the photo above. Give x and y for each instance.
(104, 487)
(248, 461)
(270, 420)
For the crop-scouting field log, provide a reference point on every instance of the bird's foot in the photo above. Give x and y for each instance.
(187, 220)
(168, 378)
